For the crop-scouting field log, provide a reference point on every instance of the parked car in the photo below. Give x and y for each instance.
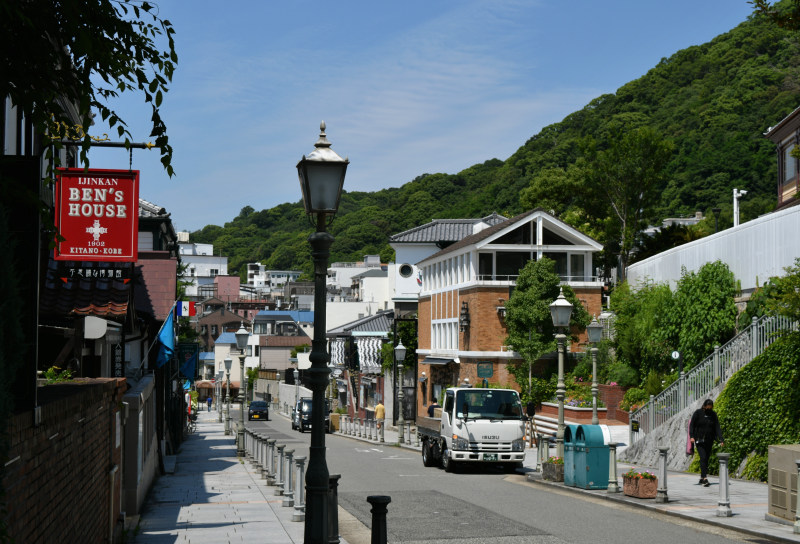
(258, 410)
(301, 415)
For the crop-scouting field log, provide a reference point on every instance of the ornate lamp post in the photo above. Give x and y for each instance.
(228, 362)
(399, 357)
(241, 342)
(560, 311)
(595, 332)
(321, 175)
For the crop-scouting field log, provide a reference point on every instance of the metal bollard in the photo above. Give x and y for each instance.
(408, 428)
(264, 459)
(288, 494)
(368, 429)
(541, 444)
(724, 504)
(360, 423)
(343, 424)
(796, 527)
(383, 427)
(416, 437)
(299, 504)
(271, 461)
(333, 508)
(279, 471)
(379, 509)
(661, 493)
(613, 484)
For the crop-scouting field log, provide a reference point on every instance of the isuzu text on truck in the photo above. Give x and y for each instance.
(476, 426)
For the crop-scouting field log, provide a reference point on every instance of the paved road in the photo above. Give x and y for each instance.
(429, 505)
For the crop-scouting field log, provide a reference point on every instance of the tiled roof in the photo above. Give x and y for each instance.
(381, 322)
(93, 293)
(148, 209)
(226, 338)
(286, 341)
(444, 230)
(372, 273)
(301, 316)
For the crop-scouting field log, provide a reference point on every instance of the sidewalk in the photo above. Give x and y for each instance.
(212, 497)
(687, 499)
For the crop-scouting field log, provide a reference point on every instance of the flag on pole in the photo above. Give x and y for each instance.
(186, 309)
(166, 338)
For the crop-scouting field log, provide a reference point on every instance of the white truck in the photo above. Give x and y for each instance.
(476, 426)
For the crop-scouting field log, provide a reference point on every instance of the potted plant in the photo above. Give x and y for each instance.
(553, 469)
(639, 484)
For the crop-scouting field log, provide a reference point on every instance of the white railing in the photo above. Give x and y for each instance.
(714, 370)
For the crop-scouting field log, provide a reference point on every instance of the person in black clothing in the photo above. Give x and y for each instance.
(704, 429)
(432, 407)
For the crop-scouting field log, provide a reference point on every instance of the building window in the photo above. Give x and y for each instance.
(561, 262)
(145, 241)
(486, 265)
(509, 263)
(213, 272)
(406, 270)
(576, 267)
(214, 330)
(789, 165)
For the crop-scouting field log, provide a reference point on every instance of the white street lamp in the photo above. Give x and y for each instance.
(241, 342)
(399, 357)
(595, 333)
(560, 311)
(321, 175)
(228, 363)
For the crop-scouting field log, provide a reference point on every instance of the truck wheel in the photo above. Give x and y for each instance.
(448, 464)
(427, 455)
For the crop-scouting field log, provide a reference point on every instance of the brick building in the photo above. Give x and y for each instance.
(465, 287)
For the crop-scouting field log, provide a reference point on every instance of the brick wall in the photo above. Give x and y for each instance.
(58, 476)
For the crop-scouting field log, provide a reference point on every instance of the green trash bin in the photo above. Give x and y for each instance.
(592, 462)
(569, 454)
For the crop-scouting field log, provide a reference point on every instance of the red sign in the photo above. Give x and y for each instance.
(97, 212)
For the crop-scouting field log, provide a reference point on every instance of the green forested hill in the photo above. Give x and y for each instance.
(714, 101)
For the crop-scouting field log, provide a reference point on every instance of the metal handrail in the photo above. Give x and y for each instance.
(714, 370)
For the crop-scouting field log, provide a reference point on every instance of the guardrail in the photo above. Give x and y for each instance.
(712, 371)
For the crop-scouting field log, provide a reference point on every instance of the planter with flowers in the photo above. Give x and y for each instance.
(639, 484)
(553, 469)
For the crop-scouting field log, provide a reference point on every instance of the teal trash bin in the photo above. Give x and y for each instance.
(592, 463)
(579, 457)
(569, 454)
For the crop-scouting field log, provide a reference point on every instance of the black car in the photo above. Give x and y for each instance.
(258, 410)
(301, 415)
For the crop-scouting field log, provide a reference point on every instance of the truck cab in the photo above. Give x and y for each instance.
(477, 426)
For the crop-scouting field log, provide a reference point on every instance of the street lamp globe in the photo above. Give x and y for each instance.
(595, 331)
(241, 337)
(321, 175)
(560, 311)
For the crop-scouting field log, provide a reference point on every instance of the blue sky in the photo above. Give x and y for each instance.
(405, 88)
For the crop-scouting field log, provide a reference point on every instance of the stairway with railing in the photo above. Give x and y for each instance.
(710, 373)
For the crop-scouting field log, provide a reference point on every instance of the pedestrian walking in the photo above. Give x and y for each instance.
(704, 429)
(209, 402)
(380, 414)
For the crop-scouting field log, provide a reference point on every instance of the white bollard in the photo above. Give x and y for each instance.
(300, 504)
(613, 484)
(661, 493)
(288, 494)
(724, 504)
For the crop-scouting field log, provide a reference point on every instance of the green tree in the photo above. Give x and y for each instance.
(785, 14)
(704, 312)
(84, 53)
(785, 293)
(630, 173)
(528, 320)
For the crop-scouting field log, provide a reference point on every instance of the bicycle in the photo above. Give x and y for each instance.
(191, 423)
